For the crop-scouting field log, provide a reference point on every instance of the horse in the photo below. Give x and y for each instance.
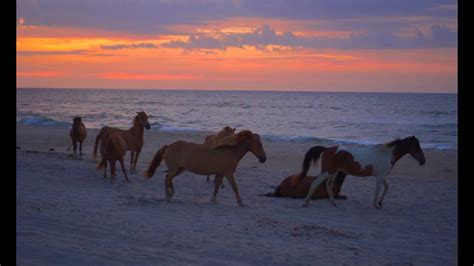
(294, 187)
(112, 149)
(210, 139)
(132, 136)
(377, 161)
(220, 159)
(77, 133)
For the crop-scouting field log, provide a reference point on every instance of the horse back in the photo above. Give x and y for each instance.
(293, 187)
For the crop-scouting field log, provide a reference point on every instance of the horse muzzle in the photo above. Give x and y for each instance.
(422, 162)
(147, 127)
(262, 160)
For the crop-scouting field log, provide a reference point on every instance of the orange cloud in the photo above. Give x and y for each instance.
(130, 76)
(39, 74)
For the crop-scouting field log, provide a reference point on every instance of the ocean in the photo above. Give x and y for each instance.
(327, 117)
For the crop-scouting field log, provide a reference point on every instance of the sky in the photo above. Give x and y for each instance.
(278, 45)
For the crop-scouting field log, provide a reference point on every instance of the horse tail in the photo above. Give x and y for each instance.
(155, 162)
(102, 164)
(97, 140)
(311, 155)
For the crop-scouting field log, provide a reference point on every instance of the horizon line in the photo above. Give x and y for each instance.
(223, 90)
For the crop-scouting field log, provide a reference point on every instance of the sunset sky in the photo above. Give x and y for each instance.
(291, 45)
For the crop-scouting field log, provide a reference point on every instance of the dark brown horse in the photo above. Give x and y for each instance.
(77, 133)
(295, 187)
(377, 160)
(133, 137)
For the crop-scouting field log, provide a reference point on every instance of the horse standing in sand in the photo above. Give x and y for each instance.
(226, 131)
(375, 161)
(220, 159)
(77, 133)
(133, 137)
(112, 149)
(295, 187)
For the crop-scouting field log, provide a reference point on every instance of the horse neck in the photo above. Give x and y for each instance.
(398, 152)
(136, 130)
(241, 149)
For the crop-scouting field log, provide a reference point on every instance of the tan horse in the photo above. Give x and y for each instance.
(133, 137)
(112, 149)
(226, 131)
(220, 159)
(77, 133)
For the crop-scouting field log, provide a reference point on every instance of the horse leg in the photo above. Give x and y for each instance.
(217, 183)
(123, 170)
(329, 188)
(112, 170)
(377, 192)
(80, 148)
(314, 184)
(385, 189)
(169, 189)
(236, 190)
(132, 154)
(74, 144)
(222, 182)
(105, 169)
(136, 159)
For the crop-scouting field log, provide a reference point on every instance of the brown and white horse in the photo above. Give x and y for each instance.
(375, 161)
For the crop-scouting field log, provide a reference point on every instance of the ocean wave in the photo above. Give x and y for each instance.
(43, 121)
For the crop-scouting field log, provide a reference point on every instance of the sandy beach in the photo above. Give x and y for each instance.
(67, 213)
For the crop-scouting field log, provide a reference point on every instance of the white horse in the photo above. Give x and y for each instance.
(375, 161)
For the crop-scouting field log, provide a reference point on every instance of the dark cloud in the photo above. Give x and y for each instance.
(440, 36)
(128, 46)
(33, 53)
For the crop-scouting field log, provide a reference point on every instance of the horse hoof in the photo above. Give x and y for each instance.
(242, 205)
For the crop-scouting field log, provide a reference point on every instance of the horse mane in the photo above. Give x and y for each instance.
(233, 140)
(394, 142)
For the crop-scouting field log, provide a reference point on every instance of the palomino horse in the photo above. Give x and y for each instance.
(77, 134)
(112, 149)
(132, 136)
(220, 159)
(225, 131)
(375, 161)
(294, 187)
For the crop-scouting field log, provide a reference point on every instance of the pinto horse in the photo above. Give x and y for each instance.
(133, 137)
(294, 187)
(112, 149)
(220, 159)
(78, 133)
(375, 161)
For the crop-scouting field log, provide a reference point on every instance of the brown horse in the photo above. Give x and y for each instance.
(77, 133)
(226, 131)
(112, 149)
(220, 159)
(377, 160)
(294, 187)
(132, 136)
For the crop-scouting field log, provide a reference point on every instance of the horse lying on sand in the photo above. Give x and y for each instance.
(220, 159)
(377, 161)
(112, 149)
(226, 131)
(133, 137)
(294, 187)
(77, 133)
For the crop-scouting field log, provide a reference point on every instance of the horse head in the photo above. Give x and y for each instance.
(142, 119)
(256, 147)
(77, 120)
(414, 149)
